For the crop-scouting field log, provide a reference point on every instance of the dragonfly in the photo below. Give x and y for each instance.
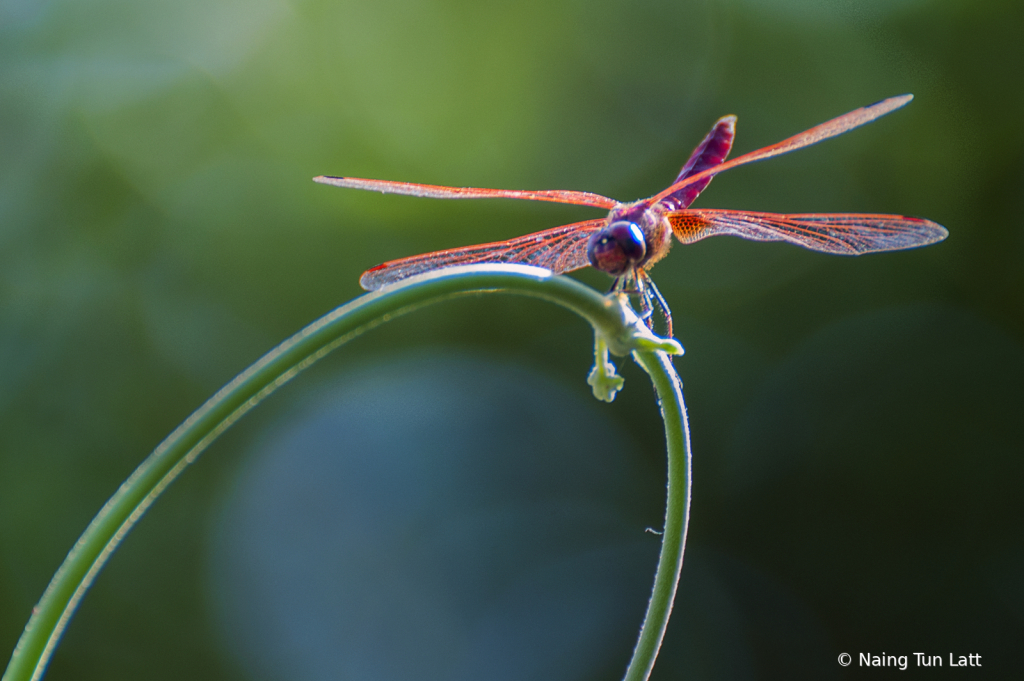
(634, 236)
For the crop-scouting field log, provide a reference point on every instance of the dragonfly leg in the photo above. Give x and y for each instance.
(652, 293)
(634, 285)
(624, 284)
(644, 297)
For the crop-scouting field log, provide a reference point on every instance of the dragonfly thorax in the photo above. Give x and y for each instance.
(617, 248)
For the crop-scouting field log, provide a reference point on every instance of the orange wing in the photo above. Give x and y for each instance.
(562, 249)
(836, 126)
(837, 233)
(434, 191)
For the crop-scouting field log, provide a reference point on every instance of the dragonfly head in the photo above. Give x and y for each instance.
(617, 248)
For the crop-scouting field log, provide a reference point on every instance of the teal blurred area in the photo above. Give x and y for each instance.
(856, 421)
(475, 536)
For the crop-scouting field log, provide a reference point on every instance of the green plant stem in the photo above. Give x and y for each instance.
(612, 321)
(677, 512)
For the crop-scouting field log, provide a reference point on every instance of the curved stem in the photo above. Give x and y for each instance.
(613, 322)
(677, 512)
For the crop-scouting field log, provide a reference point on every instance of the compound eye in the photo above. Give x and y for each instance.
(617, 248)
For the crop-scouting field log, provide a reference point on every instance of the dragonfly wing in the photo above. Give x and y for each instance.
(708, 153)
(433, 191)
(819, 133)
(837, 233)
(561, 249)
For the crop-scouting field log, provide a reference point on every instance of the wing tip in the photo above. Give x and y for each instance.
(928, 229)
(368, 279)
(892, 103)
(923, 232)
(329, 179)
(926, 234)
(937, 232)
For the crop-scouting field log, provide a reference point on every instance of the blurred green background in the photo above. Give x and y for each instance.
(443, 498)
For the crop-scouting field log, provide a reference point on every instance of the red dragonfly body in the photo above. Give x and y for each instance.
(634, 236)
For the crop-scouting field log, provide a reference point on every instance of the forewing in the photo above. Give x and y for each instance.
(562, 249)
(837, 233)
(708, 153)
(836, 126)
(433, 191)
